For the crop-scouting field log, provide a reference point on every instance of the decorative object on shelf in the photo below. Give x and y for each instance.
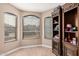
(65, 39)
(56, 28)
(74, 28)
(68, 40)
(74, 41)
(68, 27)
(55, 22)
(56, 36)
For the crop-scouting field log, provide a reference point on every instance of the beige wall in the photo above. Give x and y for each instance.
(44, 40)
(20, 41)
(30, 41)
(1, 31)
(10, 45)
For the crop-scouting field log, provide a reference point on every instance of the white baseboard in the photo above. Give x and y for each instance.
(11, 51)
(31, 46)
(47, 46)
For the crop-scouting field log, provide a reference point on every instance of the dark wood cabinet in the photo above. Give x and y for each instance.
(65, 39)
(70, 26)
(57, 31)
(70, 50)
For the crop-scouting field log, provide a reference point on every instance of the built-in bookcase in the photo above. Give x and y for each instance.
(70, 29)
(57, 31)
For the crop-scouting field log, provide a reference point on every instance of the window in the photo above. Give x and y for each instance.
(10, 27)
(31, 27)
(48, 28)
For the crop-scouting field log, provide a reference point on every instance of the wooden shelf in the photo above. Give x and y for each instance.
(56, 30)
(56, 40)
(56, 15)
(70, 50)
(70, 46)
(55, 23)
(71, 31)
(70, 15)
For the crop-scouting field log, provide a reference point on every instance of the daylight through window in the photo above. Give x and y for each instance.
(10, 27)
(31, 27)
(48, 28)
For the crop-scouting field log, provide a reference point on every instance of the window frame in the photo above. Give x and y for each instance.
(44, 28)
(23, 25)
(14, 39)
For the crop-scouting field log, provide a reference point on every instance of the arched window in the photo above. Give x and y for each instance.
(31, 26)
(48, 28)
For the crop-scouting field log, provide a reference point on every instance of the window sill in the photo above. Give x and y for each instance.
(10, 40)
(25, 38)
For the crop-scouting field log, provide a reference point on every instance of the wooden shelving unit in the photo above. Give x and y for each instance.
(57, 31)
(70, 29)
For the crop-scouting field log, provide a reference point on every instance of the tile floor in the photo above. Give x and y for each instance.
(33, 51)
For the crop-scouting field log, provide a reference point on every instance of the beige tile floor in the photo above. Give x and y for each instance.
(35, 51)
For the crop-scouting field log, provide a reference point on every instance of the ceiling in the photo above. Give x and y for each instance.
(36, 7)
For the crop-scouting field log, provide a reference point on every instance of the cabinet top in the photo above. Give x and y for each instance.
(56, 11)
(69, 6)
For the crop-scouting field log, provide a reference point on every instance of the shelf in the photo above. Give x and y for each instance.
(70, 46)
(55, 23)
(71, 31)
(56, 40)
(56, 30)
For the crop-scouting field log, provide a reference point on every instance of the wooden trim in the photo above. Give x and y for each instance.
(69, 6)
(58, 13)
(66, 46)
